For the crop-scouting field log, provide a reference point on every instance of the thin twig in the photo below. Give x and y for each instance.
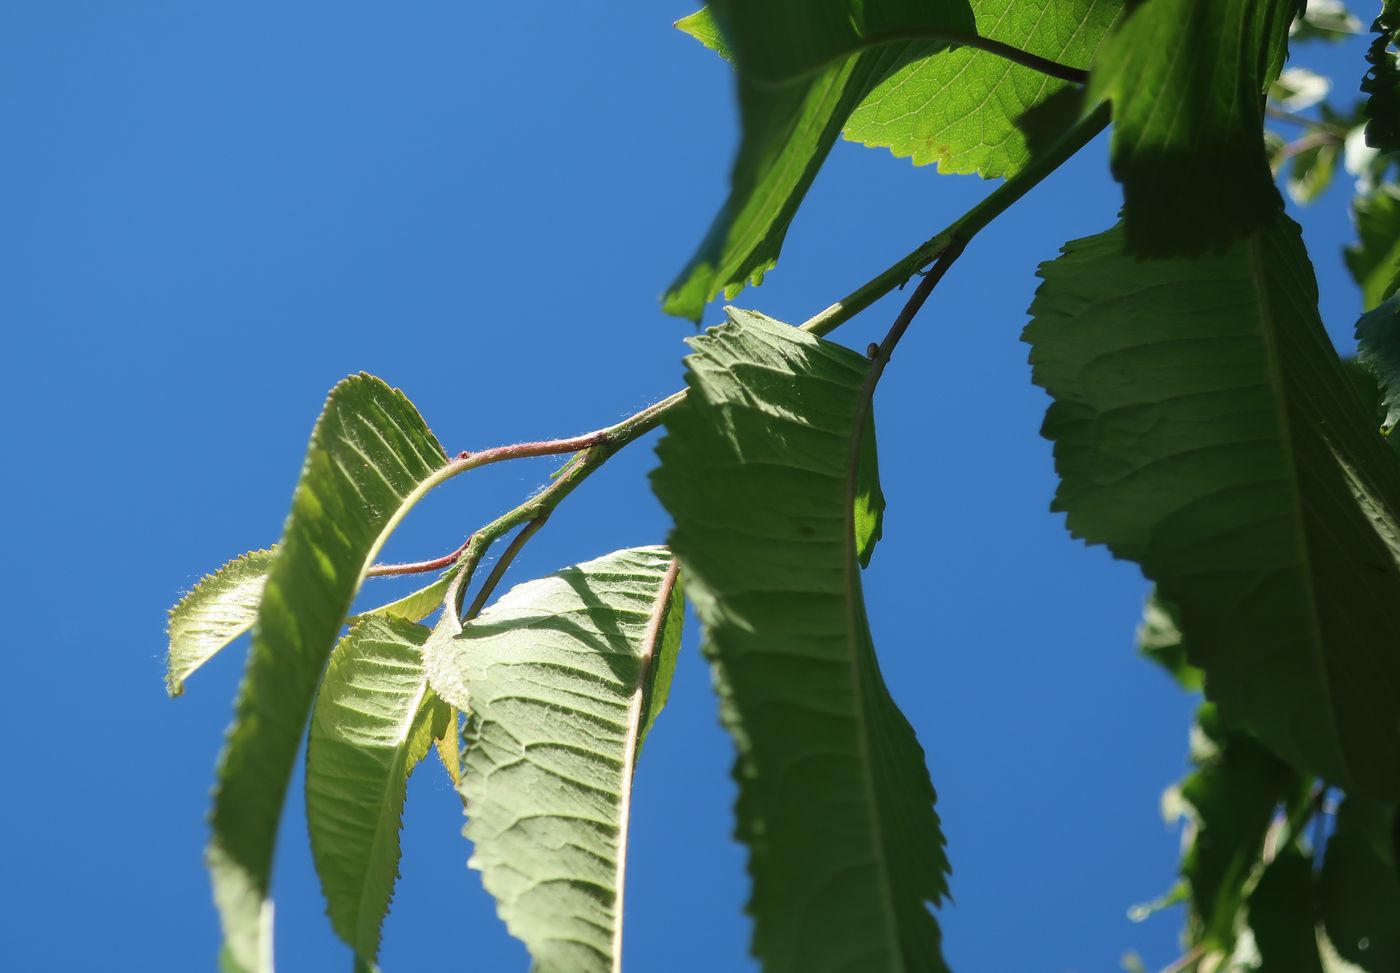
(418, 567)
(1192, 956)
(498, 571)
(1293, 118)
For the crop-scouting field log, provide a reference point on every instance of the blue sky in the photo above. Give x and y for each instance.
(212, 213)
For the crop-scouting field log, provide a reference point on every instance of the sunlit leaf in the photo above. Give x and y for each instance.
(373, 721)
(1185, 79)
(218, 610)
(1374, 260)
(370, 457)
(1205, 428)
(869, 499)
(560, 680)
(835, 802)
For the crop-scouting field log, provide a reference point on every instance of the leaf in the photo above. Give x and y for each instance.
(1359, 891)
(560, 679)
(869, 498)
(971, 111)
(1159, 638)
(218, 610)
(1382, 81)
(1185, 80)
(1298, 89)
(835, 801)
(1232, 794)
(370, 458)
(373, 721)
(798, 78)
(1374, 260)
(1312, 172)
(1281, 910)
(1378, 349)
(1205, 429)
(1327, 20)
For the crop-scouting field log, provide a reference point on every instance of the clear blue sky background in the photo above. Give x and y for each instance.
(213, 212)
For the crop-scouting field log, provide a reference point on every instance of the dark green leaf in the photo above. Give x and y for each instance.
(1204, 428)
(1382, 81)
(1374, 260)
(1186, 80)
(373, 721)
(560, 679)
(371, 456)
(972, 111)
(1378, 349)
(1159, 638)
(1281, 916)
(835, 802)
(1233, 793)
(799, 78)
(1360, 890)
(218, 610)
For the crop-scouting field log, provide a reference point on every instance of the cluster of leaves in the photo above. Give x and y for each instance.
(1204, 427)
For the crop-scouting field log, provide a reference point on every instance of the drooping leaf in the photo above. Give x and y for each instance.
(1374, 260)
(1282, 916)
(869, 498)
(373, 721)
(801, 72)
(1378, 349)
(970, 110)
(218, 610)
(370, 457)
(835, 801)
(1359, 889)
(1382, 81)
(1232, 794)
(1325, 20)
(1204, 428)
(1186, 80)
(560, 679)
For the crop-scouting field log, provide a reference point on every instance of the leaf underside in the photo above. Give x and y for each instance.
(559, 680)
(373, 721)
(369, 452)
(799, 79)
(1186, 80)
(1204, 428)
(1374, 260)
(835, 802)
(218, 610)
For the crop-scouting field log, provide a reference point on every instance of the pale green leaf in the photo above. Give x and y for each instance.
(835, 802)
(1359, 889)
(1378, 349)
(869, 499)
(373, 721)
(371, 456)
(554, 678)
(1205, 428)
(972, 111)
(1159, 638)
(1312, 171)
(218, 610)
(1326, 20)
(799, 78)
(1186, 79)
(1374, 260)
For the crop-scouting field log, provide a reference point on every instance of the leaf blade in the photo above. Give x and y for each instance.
(220, 608)
(835, 802)
(553, 679)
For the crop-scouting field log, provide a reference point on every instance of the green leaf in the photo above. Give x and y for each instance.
(218, 610)
(370, 458)
(1374, 260)
(799, 79)
(869, 498)
(1281, 916)
(373, 721)
(1359, 891)
(1382, 81)
(560, 679)
(1378, 349)
(1185, 79)
(1204, 428)
(835, 801)
(1159, 638)
(972, 111)
(1312, 172)
(1325, 20)
(1232, 793)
